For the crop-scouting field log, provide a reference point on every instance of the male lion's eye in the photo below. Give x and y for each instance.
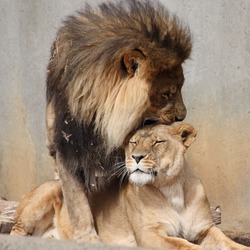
(166, 96)
(173, 89)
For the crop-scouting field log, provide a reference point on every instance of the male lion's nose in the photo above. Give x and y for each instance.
(180, 116)
(138, 158)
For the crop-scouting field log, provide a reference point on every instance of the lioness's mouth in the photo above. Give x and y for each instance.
(138, 170)
(149, 171)
(140, 177)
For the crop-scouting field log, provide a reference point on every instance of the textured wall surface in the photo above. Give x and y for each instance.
(216, 93)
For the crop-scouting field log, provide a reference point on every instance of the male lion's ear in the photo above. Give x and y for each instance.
(132, 60)
(187, 134)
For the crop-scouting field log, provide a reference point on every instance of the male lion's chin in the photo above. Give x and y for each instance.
(168, 120)
(149, 122)
(162, 119)
(140, 179)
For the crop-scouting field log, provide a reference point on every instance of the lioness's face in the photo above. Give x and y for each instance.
(165, 97)
(154, 153)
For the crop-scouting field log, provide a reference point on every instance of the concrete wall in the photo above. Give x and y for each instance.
(216, 93)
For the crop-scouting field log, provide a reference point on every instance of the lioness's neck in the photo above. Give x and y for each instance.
(173, 189)
(172, 175)
(174, 193)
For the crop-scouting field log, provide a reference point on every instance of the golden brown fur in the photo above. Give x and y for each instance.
(34, 214)
(112, 68)
(164, 205)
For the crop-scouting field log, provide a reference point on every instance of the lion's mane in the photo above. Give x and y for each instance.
(93, 103)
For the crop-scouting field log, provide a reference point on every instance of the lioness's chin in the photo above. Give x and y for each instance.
(140, 178)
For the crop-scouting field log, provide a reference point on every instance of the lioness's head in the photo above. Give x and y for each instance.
(156, 153)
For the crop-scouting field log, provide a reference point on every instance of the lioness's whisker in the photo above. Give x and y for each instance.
(123, 178)
(117, 165)
(117, 170)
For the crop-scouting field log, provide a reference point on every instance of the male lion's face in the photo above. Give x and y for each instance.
(165, 96)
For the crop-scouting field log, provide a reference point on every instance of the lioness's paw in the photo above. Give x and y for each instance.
(196, 247)
(92, 239)
(18, 232)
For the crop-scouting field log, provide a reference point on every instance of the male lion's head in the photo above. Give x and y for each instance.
(164, 80)
(119, 67)
(155, 154)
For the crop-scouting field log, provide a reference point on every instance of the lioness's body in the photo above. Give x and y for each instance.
(164, 205)
(146, 216)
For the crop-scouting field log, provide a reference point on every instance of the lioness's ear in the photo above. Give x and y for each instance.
(187, 134)
(132, 60)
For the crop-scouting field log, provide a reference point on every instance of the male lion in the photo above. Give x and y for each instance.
(163, 206)
(112, 69)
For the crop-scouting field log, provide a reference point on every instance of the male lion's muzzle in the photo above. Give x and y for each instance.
(180, 109)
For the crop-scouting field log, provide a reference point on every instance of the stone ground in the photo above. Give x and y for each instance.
(8, 242)
(242, 238)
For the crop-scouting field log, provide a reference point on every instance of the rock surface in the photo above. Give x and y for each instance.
(8, 242)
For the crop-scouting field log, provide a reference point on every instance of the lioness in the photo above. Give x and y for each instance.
(163, 206)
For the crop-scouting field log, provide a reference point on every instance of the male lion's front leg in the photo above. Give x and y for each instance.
(77, 204)
(217, 240)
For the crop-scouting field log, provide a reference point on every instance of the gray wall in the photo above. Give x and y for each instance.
(216, 93)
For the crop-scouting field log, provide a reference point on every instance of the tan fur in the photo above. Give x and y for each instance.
(164, 205)
(35, 212)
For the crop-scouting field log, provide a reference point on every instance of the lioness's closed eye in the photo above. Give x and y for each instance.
(163, 206)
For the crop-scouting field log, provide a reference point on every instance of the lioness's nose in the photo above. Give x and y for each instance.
(138, 158)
